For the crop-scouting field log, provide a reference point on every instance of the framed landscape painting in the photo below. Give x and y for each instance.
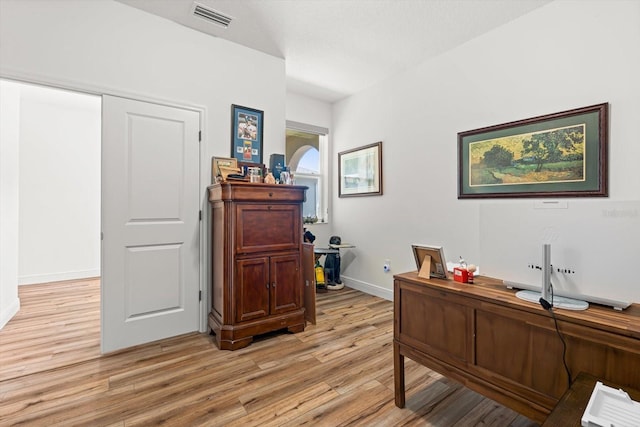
(557, 155)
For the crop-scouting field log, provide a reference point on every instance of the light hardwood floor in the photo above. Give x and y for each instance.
(338, 372)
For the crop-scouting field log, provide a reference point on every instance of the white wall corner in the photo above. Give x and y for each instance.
(8, 312)
(58, 276)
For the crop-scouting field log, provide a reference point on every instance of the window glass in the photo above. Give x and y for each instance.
(304, 156)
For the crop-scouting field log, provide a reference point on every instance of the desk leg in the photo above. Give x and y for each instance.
(398, 375)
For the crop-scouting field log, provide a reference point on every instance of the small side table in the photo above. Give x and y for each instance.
(319, 253)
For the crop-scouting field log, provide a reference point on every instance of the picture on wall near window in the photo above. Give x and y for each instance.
(246, 134)
(360, 171)
(558, 155)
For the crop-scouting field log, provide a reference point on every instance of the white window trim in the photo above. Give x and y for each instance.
(323, 182)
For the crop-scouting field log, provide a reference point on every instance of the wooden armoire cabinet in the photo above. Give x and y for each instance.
(256, 250)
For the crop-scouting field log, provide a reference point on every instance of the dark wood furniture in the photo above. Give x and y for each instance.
(256, 241)
(309, 279)
(568, 412)
(506, 349)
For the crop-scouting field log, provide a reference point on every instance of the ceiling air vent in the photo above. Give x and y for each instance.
(211, 15)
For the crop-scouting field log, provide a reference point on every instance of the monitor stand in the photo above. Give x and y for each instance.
(558, 302)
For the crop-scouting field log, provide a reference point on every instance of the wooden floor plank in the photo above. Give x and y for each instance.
(337, 372)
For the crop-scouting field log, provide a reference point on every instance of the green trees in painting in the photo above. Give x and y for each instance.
(498, 156)
(548, 156)
(552, 146)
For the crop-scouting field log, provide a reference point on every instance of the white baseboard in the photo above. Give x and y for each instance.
(368, 288)
(8, 313)
(57, 277)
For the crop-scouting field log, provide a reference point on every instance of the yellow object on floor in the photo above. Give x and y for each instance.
(319, 274)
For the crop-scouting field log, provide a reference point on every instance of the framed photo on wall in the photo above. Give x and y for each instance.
(360, 171)
(558, 155)
(247, 126)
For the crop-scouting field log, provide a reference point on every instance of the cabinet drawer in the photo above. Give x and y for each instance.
(258, 192)
(267, 227)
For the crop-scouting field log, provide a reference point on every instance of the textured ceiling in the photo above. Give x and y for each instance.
(335, 48)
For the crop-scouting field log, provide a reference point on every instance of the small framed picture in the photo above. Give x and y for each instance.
(430, 261)
(360, 171)
(246, 134)
(216, 162)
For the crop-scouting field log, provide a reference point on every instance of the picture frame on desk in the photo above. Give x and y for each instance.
(430, 261)
(247, 125)
(556, 155)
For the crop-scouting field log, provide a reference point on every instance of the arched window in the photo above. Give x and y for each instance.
(306, 158)
(305, 165)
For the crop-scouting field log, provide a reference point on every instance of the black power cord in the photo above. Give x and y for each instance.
(549, 307)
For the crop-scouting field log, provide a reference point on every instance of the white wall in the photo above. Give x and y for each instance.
(310, 111)
(114, 48)
(59, 236)
(9, 184)
(107, 47)
(565, 55)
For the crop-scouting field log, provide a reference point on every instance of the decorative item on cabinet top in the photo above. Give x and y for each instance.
(222, 167)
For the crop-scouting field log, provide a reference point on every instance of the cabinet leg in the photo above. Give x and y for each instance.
(398, 375)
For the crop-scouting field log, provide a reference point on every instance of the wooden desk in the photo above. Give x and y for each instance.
(507, 349)
(569, 410)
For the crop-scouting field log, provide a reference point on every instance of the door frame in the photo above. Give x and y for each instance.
(204, 176)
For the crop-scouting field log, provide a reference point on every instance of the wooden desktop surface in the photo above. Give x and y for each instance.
(569, 410)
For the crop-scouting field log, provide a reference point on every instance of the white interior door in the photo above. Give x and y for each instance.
(150, 222)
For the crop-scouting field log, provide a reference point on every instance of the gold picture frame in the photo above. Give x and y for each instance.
(217, 162)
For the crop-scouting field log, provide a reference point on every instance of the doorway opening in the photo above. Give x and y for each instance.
(146, 177)
(52, 193)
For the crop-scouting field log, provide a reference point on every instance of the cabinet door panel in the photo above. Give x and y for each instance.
(520, 351)
(433, 323)
(252, 288)
(309, 282)
(268, 227)
(286, 283)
